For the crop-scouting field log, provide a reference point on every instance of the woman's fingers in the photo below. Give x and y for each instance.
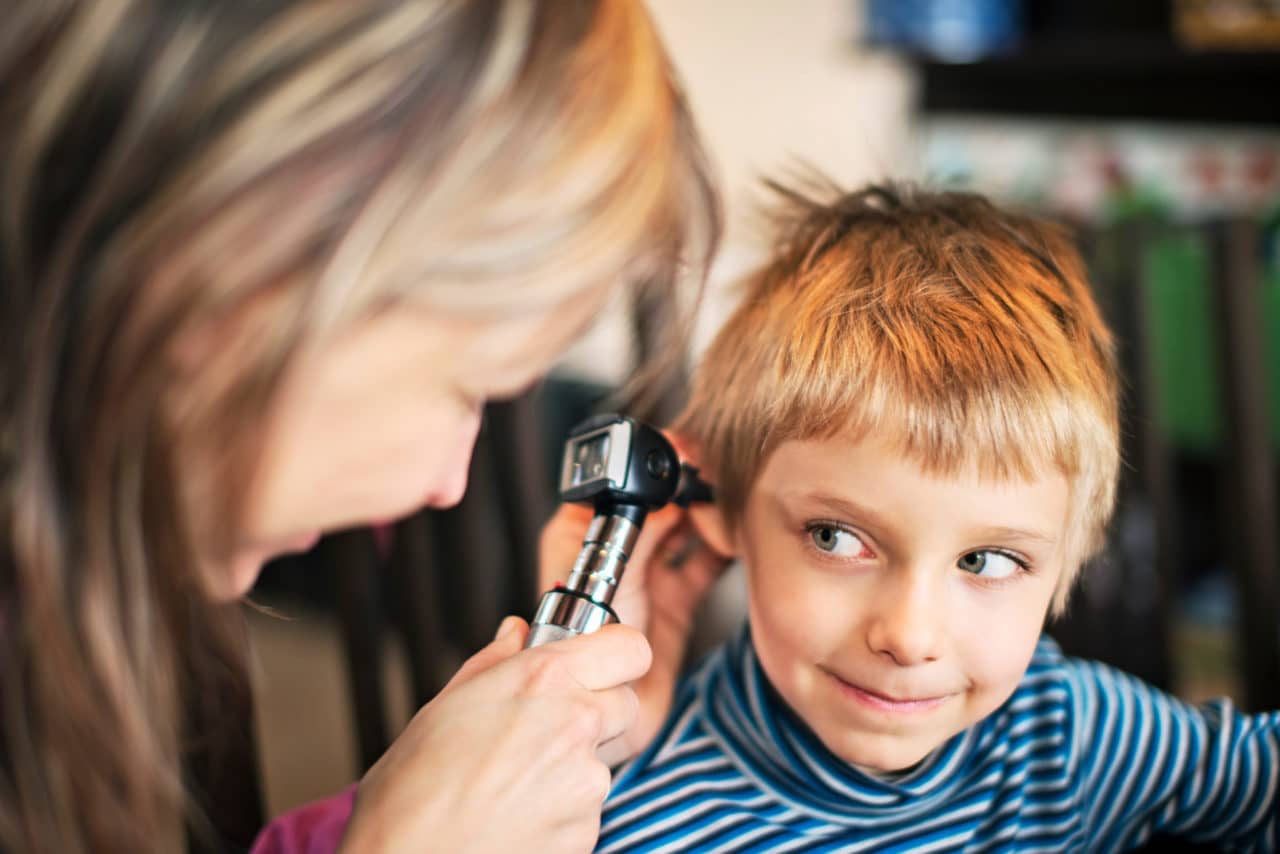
(618, 708)
(612, 656)
(596, 668)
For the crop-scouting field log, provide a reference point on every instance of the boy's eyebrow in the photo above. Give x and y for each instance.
(868, 515)
(841, 505)
(1003, 533)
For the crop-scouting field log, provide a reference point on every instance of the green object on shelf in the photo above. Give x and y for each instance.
(1175, 286)
(1176, 282)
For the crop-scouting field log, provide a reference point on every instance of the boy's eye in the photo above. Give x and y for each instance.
(836, 541)
(989, 564)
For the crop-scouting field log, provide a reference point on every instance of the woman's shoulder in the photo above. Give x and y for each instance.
(313, 828)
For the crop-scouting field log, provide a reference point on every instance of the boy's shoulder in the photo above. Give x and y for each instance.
(1088, 684)
(1079, 690)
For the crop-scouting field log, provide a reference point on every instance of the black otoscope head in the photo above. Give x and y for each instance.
(624, 467)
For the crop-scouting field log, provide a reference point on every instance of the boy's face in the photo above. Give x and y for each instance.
(891, 608)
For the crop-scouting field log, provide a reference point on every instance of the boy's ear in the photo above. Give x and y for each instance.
(707, 518)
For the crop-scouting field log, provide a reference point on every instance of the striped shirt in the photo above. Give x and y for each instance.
(1081, 757)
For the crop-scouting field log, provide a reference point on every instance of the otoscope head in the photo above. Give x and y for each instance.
(616, 462)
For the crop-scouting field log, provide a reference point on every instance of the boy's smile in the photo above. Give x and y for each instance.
(892, 608)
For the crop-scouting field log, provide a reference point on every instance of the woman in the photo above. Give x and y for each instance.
(262, 263)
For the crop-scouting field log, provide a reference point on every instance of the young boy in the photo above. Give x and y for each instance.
(912, 424)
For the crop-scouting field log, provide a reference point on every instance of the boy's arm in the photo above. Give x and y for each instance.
(1151, 764)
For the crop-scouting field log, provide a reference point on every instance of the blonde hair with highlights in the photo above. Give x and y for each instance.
(262, 175)
(967, 332)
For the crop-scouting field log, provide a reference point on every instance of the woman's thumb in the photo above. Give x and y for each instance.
(511, 628)
(507, 642)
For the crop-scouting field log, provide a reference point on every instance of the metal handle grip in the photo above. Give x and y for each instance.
(564, 615)
(546, 633)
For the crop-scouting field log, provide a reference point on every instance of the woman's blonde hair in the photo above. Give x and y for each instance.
(966, 332)
(259, 175)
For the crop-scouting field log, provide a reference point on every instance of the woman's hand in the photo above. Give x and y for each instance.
(504, 758)
(666, 578)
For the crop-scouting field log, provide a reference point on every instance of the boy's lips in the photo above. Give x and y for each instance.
(896, 703)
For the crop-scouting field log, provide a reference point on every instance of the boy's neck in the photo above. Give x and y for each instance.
(890, 776)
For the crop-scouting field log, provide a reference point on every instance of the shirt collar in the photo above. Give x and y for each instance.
(771, 745)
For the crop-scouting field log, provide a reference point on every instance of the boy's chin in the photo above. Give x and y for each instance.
(881, 755)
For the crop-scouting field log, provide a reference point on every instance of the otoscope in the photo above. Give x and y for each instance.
(624, 468)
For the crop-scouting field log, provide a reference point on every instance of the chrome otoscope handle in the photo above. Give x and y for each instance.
(582, 605)
(564, 615)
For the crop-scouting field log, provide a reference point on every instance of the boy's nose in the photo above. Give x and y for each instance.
(906, 622)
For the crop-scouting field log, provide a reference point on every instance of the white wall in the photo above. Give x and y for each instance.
(772, 83)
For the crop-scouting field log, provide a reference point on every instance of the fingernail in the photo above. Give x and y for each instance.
(506, 627)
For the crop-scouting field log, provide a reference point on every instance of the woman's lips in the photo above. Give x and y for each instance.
(884, 703)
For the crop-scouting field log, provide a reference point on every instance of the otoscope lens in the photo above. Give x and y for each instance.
(590, 460)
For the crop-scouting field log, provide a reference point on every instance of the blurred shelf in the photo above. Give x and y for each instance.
(1102, 78)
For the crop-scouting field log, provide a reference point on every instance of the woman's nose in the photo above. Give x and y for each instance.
(458, 463)
(907, 621)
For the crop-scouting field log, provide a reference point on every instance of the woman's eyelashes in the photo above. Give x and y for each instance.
(993, 564)
(835, 540)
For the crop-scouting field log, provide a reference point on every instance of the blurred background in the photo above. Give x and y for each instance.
(1151, 126)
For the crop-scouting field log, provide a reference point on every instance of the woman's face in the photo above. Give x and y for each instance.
(381, 423)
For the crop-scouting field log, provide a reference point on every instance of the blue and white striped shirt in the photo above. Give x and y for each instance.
(1081, 757)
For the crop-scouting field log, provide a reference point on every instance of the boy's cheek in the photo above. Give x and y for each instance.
(790, 607)
(997, 644)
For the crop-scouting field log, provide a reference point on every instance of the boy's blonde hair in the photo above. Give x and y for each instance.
(966, 331)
